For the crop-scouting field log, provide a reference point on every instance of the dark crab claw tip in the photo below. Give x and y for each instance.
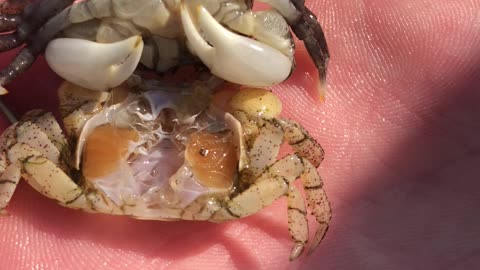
(307, 28)
(319, 235)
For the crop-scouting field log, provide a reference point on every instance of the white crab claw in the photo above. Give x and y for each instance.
(92, 65)
(233, 57)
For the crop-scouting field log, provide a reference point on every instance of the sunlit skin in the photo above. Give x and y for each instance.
(401, 134)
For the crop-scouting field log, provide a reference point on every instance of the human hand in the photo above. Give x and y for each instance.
(400, 130)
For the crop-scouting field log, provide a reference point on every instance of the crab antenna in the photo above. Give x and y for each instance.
(7, 112)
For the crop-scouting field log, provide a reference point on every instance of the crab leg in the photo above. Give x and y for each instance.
(77, 105)
(34, 136)
(317, 201)
(9, 22)
(302, 143)
(20, 133)
(34, 16)
(10, 14)
(35, 155)
(8, 183)
(297, 221)
(312, 155)
(48, 125)
(274, 183)
(9, 172)
(310, 32)
(306, 27)
(271, 185)
(43, 175)
(260, 156)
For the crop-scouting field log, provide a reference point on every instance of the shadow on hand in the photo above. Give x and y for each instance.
(418, 208)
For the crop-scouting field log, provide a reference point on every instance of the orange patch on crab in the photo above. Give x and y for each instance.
(213, 159)
(105, 148)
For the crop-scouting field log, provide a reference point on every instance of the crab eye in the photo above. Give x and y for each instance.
(213, 159)
(105, 148)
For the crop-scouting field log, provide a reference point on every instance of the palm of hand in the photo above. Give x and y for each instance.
(399, 127)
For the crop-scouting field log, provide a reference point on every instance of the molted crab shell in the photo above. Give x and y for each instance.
(153, 151)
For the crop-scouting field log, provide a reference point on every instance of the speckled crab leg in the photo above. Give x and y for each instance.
(275, 182)
(312, 155)
(39, 132)
(302, 143)
(9, 179)
(317, 201)
(297, 221)
(10, 173)
(34, 149)
(34, 17)
(271, 185)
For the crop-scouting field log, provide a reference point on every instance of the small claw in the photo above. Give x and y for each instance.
(297, 250)
(233, 57)
(92, 65)
(319, 235)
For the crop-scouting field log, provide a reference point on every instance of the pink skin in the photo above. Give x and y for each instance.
(400, 128)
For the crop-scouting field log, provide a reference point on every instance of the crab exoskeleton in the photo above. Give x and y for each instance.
(98, 43)
(158, 152)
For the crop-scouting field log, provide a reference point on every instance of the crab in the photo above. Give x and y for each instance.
(98, 44)
(150, 150)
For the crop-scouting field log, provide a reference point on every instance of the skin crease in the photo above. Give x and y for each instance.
(400, 129)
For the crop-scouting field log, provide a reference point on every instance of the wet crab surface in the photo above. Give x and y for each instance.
(362, 188)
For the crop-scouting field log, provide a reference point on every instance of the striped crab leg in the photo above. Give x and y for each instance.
(275, 182)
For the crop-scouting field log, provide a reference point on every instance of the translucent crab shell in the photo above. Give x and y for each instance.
(152, 177)
(157, 152)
